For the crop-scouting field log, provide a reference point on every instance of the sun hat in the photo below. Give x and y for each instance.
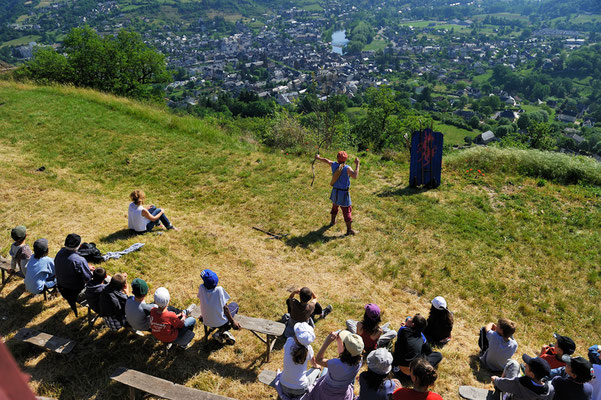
(565, 343)
(139, 287)
(439, 303)
(372, 311)
(161, 297)
(341, 156)
(353, 343)
(18, 233)
(305, 334)
(380, 361)
(209, 279)
(539, 367)
(72, 241)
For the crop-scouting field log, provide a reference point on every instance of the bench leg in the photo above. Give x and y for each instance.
(269, 346)
(45, 294)
(132, 393)
(3, 277)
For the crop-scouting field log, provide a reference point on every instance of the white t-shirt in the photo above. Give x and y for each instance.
(294, 376)
(596, 382)
(135, 220)
(211, 306)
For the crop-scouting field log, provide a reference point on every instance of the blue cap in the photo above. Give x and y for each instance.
(209, 278)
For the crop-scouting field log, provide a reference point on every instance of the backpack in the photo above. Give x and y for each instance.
(90, 252)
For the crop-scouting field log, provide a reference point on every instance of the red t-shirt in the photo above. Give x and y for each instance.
(165, 325)
(410, 394)
(549, 355)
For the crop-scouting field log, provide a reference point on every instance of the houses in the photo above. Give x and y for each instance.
(486, 138)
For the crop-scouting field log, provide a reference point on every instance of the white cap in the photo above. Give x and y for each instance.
(439, 303)
(380, 361)
(304, 333)
(161, 297)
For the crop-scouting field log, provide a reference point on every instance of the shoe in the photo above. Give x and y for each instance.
(333, 220)
(229, 338)
(184, 346)
(219, 337)
(349, 230)
(172, 228)
(326, 311)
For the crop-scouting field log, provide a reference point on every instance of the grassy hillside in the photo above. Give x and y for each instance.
(496, 243)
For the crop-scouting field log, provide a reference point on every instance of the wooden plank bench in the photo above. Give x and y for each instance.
(473, 393)
(268, 377)
(45, 340)
(160, 387)
(271, 329)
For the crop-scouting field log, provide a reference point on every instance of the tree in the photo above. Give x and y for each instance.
(540, 137)
(123, 65)
(474, 122)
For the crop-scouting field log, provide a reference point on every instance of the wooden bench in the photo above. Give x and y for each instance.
(271, 329)
(268, 377)
(45, 340)
(159, 387)
(473, 393)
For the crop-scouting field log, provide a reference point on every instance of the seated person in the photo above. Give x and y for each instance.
(412, 344)
(72, 271)
(497, 345)
(337, 382)
(295, 379)
(112, 302)
(553, 354)
(214, 309)
(440, 323)
(94, 287)
(303, 310)
(137, 311)
(369, 329)
(423, 375)
(532, 386)
(143, 219)
(574, 386)
(40, 269)
(19, 252)
(593, 357)
(165, 325)
(373, 383)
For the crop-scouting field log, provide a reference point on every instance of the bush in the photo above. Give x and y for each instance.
(558, 167)
(287, 133)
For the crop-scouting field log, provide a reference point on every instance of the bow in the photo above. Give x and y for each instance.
(315, 159)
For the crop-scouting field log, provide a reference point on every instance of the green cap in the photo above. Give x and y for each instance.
(139, 287)
(18, 233)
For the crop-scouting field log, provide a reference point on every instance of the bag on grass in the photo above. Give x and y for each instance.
(90, 252)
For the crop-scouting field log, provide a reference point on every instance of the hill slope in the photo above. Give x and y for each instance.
(495, 245)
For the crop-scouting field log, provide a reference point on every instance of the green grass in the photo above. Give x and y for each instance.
(21, 41)
(513, 242)
(505, 15)
(376, 44)
(483, 78)
(454, 135)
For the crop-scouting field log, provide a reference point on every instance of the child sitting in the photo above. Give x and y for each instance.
(214, 309)
(423, 375)
(575, 385)
(531, 386)
(369, 329)
(40, 269)
(112, 301)
(497, 344)
(94, 287)
(412, 344)
(167, 326)
(20, 253)
(303, 310)
(440, 323)
(553, 354)
(373, 383)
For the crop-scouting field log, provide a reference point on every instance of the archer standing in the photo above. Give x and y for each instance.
(341, 183)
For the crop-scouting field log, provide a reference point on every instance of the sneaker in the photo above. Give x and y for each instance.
(172, 228)
(184, 346)
(326, 311)
(229, 338)
(219, 337)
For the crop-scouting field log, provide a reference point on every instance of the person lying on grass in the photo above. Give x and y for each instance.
(214, 309)
(341, 183)
(303, 310)
(143, 219)
(339, 376)
(423, 375)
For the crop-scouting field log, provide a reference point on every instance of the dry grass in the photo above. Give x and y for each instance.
(494, 245)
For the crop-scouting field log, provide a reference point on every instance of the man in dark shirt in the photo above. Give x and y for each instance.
(72, 271)
(411, 344)
(303, 310)
(574, 386)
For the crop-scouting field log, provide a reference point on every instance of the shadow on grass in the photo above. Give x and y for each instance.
(312, 237)
(478, 370)
(396, 191)
(119, 235)
(17, 310)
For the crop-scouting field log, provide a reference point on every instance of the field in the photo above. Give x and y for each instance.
(21, 41)
(506, 243)
(376, 44)
(454, 135)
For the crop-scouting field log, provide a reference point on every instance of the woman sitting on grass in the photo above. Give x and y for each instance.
(369, 329)
(440, 323)
(339, 376)
(143, 219)
(423, 375)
